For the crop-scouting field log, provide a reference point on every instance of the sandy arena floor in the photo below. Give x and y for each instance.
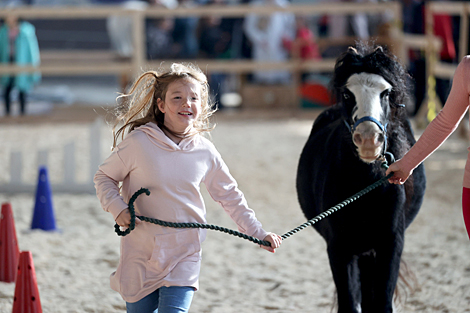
(262, 151)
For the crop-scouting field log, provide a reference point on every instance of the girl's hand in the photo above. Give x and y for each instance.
(124, 219)
(399, 175)
(275, 241)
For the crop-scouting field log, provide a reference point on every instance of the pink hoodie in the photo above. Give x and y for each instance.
(445, 123)
(153, 256)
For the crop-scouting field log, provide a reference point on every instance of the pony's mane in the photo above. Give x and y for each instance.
(374, 59)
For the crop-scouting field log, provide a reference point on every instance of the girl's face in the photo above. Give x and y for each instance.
(182, 105)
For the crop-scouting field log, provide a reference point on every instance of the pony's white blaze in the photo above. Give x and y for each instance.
(367, 88)
(368, 136)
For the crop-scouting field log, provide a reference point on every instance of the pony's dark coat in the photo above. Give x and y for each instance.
(364, 239)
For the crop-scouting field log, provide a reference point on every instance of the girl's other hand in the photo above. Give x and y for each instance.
(399, 175)
(124, 219)
(275, 241)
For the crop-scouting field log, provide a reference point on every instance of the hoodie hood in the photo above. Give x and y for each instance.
(158, 138)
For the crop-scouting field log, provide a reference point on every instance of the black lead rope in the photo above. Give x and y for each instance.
(310, 222)
(178, 225)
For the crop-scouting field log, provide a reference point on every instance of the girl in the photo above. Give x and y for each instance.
(165, 114)
(437, 132)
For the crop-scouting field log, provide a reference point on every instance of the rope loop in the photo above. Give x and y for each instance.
(131, 227)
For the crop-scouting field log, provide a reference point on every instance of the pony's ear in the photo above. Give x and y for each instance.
(379, 49)
(352, 50)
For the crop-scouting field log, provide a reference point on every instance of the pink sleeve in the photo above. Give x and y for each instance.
(224, 189)
(445, 122)
(107, 179)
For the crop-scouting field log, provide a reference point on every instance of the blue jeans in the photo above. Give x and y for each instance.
(172, 299)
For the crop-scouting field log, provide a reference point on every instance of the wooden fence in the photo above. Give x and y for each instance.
(460, 9)
(435, 68)
(69, 182)
(104, 63)
(83, 62)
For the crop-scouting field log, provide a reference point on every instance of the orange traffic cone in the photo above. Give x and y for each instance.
(9, 251)
(26, 298)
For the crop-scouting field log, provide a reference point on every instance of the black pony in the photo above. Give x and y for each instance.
(343, 155)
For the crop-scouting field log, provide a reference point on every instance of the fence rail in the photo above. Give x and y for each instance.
(435, 68)
(461, 9)
(138, 60)
(85, 62)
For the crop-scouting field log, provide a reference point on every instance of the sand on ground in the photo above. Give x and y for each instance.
(262, 150)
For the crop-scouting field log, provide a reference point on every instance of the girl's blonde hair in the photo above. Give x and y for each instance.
(139, 105)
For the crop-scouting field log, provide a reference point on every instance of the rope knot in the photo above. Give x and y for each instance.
(385, 163)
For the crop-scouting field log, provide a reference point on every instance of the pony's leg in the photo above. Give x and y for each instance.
(367, 273)
(387, 272)
(346, 277)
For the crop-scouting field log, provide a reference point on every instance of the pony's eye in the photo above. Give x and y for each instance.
(346, 96)
(385, 93)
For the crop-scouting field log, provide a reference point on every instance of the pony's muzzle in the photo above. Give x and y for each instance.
(368, 139)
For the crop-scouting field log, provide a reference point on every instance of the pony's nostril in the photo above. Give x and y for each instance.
(357, 139)
(380, 138)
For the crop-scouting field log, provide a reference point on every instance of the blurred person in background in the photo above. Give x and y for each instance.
(343, 29)
(214, 43)
(340, 24)
(414, 23)
(120, 30)
(160, 43)
(159, 32)
(267, 34)
(185, 31)
(18, 46)
(304, 45)
(120, 34)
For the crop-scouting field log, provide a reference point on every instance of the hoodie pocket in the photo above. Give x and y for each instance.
(170, 249)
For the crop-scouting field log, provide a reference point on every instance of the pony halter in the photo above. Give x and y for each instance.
(382, 127)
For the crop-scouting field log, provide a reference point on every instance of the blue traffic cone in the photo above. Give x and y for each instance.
(43, 217)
